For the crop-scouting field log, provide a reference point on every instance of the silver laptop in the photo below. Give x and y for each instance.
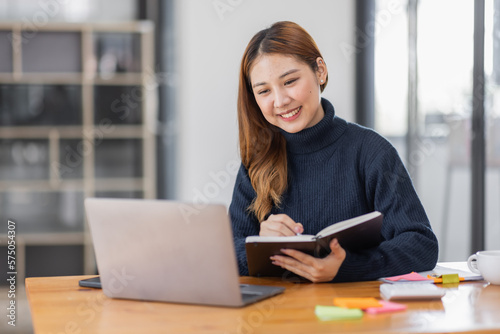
(168, 251)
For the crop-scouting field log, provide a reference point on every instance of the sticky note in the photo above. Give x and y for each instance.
(413, 276)
(386, 307)
(450, 278)
(361, 303)
(326, 313)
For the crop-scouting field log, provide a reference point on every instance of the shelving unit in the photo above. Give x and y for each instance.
(78, 105)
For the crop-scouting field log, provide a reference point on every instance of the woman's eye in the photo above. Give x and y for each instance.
(263, 91)
(289, 82)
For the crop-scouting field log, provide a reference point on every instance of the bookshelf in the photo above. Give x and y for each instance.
(78, 105)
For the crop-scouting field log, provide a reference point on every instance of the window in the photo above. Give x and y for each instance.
(436, 143)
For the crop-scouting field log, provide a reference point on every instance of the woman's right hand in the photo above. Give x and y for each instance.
(280, 225)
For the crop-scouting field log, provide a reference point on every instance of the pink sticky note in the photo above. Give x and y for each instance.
(413, 276)
(386, 307)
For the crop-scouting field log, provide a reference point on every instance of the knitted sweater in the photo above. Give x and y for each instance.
(338, 170)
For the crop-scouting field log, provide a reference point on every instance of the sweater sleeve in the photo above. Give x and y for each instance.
(409, 243)
(243, 222)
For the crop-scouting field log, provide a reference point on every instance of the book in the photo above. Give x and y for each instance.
(353, 234)
(443, 271)
(447, 268)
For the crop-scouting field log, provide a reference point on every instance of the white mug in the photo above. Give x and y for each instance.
(487, 264)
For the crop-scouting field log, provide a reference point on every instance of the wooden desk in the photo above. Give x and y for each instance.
(59, 305)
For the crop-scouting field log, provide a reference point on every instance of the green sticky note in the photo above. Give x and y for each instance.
(450, 278)
(325, 313)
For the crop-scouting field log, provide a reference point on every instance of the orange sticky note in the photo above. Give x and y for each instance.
(361, 303)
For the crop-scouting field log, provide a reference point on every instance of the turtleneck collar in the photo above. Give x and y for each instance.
(313, 139)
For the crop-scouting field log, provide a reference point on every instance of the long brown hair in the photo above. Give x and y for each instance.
(262, 146)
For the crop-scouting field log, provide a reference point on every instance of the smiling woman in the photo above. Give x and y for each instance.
(293, 50)
(304, 168)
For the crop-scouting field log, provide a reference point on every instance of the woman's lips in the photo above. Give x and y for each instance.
(291, 115)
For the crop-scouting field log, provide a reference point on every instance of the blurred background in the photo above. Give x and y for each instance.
(137, 99)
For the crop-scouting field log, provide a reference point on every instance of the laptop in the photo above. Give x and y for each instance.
(168, 251)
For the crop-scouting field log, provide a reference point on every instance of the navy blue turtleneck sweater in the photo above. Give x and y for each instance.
(339, 170)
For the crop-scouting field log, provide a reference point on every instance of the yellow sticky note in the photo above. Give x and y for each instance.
(450, 278)
(361, 303)
(326, 313)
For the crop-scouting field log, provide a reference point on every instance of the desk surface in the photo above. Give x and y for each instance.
(59, 305)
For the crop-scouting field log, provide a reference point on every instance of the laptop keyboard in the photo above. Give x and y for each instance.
(248, 293)
(246, 290)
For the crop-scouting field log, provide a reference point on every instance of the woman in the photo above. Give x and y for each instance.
(304, 168)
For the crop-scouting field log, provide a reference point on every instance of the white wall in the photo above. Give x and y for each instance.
(212, 36)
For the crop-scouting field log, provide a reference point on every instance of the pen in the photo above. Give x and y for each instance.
(298, 233)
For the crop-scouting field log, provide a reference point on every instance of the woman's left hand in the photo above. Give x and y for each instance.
(314, 269)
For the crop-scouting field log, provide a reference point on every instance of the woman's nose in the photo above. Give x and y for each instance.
(281, 98)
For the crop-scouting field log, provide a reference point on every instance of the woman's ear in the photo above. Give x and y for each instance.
(322, 71)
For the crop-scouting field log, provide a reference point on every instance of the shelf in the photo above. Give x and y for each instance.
(77, 105)
(119, 79)
(5, 51)
(114, 79)
(52, 51)
(131, 26)
(100, 185)
(24, 159)
(42, 78)
(36, 104)
(42, 212)
(40, 185)
(105, 130)
(47, 239)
